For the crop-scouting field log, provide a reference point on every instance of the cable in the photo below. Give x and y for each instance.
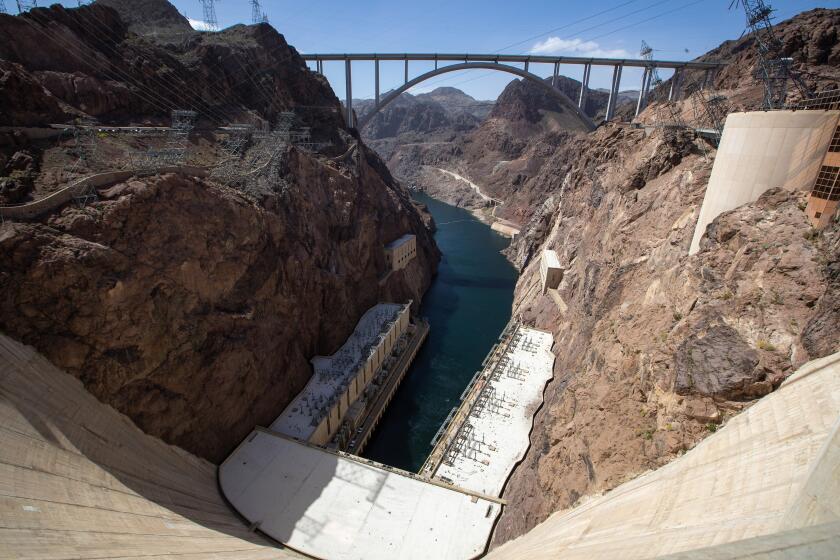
(626, 26)
(565, 26)
(655, 4)
(69, 47)
(217, 115)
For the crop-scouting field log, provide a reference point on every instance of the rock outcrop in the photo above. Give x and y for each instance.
(656, 349)
(190, 305)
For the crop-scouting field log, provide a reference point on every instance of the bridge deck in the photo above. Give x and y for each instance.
(518, 58)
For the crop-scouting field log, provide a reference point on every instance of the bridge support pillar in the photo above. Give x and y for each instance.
(584, 86)
(676, 82)
(556, 73)
(526, 65)
(640, 104)
(376, 79)
(349, 93)
(406, 71)
(616, 82)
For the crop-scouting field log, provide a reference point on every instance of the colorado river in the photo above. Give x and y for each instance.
(467, 305)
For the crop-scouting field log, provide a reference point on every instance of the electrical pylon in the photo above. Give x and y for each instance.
(210, 19)
(257, 15)
(26, 5)
(773, 70)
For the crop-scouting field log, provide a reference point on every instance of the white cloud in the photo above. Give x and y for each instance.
(577, 47)
(199, 25)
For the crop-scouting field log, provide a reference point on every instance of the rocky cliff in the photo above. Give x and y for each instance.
(192, 305)
(656, 349)
(500, 154)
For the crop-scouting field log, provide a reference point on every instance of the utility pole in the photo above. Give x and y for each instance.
(210, 14)
(773, 70)
(650, 76)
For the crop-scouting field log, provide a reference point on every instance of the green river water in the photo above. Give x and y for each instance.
(468, 305)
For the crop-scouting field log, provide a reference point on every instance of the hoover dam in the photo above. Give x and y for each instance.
(264, 303)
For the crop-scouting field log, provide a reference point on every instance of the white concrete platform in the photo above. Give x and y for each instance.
(501, 419)
(336, 507)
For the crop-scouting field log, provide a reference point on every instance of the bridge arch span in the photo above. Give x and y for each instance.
(478, 66)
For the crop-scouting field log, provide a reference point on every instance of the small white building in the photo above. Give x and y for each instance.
(551, 273)
(316, 413)
(399, 253)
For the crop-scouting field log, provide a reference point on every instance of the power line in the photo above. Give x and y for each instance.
(571, 24)
(615, 30)
(70, 48)
(109, 34)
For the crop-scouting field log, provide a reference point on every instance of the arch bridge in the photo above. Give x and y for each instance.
(506, 63)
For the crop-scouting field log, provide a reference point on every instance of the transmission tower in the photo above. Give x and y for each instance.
(647, 54)
(773, 70)
(257, 15)
(3, 7)
(26, 5)
(178, 138)
(210, 14)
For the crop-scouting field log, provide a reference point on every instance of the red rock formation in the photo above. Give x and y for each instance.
(189, 305)
(194, 309)
(655, 348)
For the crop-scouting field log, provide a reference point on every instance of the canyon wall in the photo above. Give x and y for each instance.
(655, 349)
(193, 305)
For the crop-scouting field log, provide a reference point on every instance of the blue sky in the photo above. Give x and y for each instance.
(676, 29)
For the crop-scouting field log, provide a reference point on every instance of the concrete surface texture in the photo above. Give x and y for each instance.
(764, 486)
(79, 480)
(339, 507)
(483, 456)
(762, 150)
(551, 273)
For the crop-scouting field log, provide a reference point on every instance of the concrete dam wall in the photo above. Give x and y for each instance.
(80, 480)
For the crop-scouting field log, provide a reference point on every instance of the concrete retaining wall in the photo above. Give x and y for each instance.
(761, 150)
(48, 203)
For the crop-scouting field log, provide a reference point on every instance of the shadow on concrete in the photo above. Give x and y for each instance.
(107, 486)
